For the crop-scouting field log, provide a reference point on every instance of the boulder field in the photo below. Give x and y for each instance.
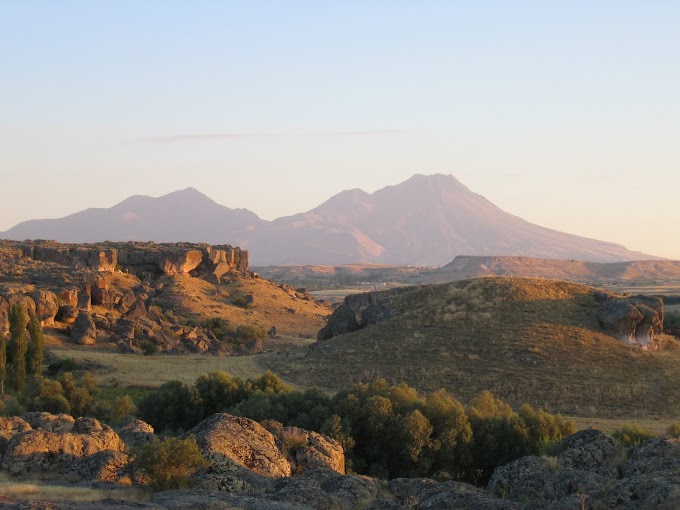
(252, 469)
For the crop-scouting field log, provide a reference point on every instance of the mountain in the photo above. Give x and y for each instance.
(185, 215)
(426, 220)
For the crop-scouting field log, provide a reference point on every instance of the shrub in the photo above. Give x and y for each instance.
(219, 327)
(11, 407)
(149, 348)
(632, 435)
(241, 302)
(62, 365)
(170, 463)
(674, 429)
(247, 332)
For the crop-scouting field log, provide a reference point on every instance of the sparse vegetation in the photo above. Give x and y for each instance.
(632, 435)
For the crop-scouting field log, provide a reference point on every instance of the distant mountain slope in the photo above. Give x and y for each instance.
(464, 267)
(185, 215)
(426, 220)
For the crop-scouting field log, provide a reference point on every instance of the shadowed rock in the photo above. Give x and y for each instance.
(635, 320)
(84, 331)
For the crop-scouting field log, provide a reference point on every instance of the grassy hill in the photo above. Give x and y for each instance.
(526, 340)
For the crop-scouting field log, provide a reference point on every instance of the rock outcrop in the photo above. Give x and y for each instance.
(341, 321)
(313, 451)
(84, 331)
(590, 470)
(359, 311)
(10, 426)
(135, 433)
(39, 451)
(180, 263)
(636, 320)
(230, 442)
(133, 257)
(59, 423)
(46, 306)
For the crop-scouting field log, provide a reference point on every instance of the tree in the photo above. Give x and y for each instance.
(36, 347)
(17, 337)
(3, 364)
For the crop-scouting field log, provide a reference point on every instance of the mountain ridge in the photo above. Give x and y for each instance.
(425, 220)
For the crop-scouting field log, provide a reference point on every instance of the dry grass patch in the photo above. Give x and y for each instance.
(31, 489)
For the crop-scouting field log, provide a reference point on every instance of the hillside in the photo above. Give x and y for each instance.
(631, 273)
(524, 339)
(464, 267)
(179, 298)
(426, 220)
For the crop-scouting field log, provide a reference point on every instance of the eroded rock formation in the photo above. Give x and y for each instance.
(636, 320)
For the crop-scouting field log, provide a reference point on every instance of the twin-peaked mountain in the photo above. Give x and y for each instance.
(426, 220)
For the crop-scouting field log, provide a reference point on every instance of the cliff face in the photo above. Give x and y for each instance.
(132, 257)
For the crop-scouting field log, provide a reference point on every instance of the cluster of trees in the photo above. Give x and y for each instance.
(21, 372)
(386, 430)
(22, 355)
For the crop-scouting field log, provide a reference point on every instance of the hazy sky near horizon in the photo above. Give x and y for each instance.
(564, 113)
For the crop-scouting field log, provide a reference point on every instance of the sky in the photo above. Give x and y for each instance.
(566, 113)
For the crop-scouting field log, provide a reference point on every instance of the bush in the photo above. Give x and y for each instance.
(674, 429)
(632, 435)
(62, 365)
(149, 348)
(219, 327)
(247, 332)
(11, 407)
(170, 463)
(241, 302)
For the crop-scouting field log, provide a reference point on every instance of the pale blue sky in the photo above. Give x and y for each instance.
(565, 113)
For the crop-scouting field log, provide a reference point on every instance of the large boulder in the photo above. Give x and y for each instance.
(591, 450)
(37, 451)
(637, 320)
(180, 263)
(10, 426)
(342, 320)
(84, 331)
(653, 456)
(59, 423)
(25, 301)
(229, 442)
(135, 433)
(46, 306)
(67, 314)
(68, 297)
(527, 478)
(106, 466)
(126, 301)
(312, 450)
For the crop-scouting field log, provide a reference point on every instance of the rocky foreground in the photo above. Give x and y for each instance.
(251, 469)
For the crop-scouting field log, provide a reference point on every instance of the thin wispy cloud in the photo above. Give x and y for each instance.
(213, 137)
(370, 132)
